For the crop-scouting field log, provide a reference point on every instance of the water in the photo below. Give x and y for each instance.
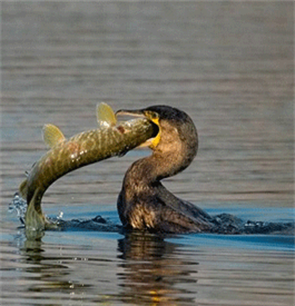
(230, 66)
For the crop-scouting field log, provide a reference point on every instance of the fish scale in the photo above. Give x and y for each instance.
(80, 150)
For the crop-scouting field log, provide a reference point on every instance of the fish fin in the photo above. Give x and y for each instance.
(105, 115)
(52, 135)
(23, 189)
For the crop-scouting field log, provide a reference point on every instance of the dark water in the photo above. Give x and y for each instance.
(230, 66)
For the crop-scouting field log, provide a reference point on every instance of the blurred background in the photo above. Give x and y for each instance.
(229, 65)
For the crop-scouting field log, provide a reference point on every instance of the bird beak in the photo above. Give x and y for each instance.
(132, 113)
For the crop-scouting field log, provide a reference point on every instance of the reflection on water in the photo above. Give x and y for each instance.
(151, 271)
(230, 66)
(143, 270)
(50, 275)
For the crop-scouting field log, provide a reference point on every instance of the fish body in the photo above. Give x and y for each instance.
(110, 139)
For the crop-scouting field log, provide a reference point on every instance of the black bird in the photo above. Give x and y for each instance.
(144, 203)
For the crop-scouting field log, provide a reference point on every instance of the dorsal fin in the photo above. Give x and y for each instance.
(52, 135)
(105, 115)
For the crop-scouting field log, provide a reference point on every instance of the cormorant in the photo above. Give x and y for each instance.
(144, 203)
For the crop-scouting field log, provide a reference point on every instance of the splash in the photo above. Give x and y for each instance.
(19, 207)
(232, 225)
(223, 223)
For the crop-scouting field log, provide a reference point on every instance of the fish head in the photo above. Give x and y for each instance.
(153, 118)
(175, 127)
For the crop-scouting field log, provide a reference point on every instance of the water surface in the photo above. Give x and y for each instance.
(230, 66)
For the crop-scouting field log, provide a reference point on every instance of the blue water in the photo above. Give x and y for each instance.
(88, 267)
(229, 65)
(279, 242)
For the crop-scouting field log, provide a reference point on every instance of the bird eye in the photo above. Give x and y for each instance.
(152, 115)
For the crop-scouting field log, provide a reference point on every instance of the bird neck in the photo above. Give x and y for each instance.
(174, 152)
(150, 170)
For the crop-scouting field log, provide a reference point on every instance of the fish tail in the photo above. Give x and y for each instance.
(34, 218)
(23, 189)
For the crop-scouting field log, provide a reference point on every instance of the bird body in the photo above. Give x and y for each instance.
(144, 203)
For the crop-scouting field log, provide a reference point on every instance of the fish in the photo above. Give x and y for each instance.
(65, 155)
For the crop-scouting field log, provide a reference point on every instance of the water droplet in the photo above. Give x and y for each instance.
(18, 206)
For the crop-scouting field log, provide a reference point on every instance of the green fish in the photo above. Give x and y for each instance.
(109, 139)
